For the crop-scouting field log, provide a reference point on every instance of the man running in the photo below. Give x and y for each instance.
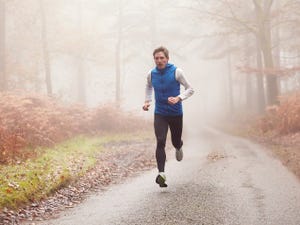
(165, 79)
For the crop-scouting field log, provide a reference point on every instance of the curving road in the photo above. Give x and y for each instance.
(222, 180)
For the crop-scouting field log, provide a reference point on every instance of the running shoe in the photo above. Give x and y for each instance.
(179, 154)
(161, 180)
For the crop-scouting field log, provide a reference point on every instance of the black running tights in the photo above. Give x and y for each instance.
(161, 125)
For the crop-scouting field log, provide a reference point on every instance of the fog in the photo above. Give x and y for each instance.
(99, 52)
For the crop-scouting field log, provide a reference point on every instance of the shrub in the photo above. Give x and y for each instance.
(284, 118)
(34, 120)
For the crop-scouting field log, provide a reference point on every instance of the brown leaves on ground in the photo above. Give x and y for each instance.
(118, 161)
(35, 120)
(215, 156)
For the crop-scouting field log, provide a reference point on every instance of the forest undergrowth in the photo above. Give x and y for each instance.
(45, 144)
(28, 121)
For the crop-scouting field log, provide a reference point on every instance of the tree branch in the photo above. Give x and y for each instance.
(239, 20)
(224, 18)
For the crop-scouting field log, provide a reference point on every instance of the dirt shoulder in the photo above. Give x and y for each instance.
(284, 147)
(120, 160)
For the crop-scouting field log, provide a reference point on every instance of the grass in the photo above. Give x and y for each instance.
(52, 168)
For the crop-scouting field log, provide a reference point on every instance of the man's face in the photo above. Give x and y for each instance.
(160, 60)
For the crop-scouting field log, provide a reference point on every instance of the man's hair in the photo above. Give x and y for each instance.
(161, 49)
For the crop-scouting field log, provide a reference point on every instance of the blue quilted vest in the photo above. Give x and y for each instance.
(165, 85)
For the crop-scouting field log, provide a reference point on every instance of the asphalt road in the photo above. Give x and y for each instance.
(221, 180)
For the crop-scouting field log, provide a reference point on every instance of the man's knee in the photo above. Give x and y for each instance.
(177, 143)
(161, 143)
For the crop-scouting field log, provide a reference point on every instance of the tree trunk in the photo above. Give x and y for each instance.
(276, 50)
(153, 28)
(48, 79)
(118, 73)
(230, 91)
(298, 73)
(272, 86)
(248, 80)
(249, 92)
(81, 79)
(260, 80)
(81, 83)
(249, 86)
(3, 80)
(118, 55)
(264, 32)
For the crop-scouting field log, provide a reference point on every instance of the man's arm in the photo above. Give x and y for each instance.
(148, 92)
(189, 91)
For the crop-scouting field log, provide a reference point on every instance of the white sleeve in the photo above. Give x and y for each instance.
(149, 88)
(189, 91)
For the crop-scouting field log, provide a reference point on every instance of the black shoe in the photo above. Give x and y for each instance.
(161, 180)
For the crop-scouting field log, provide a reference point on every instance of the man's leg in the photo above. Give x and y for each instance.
(161, 130)
(175, 124)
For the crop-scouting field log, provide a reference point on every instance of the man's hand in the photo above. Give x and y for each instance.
(173, 100)
(146, 106)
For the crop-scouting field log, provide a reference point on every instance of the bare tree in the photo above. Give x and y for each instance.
(263, 15)
(236, 17)
(3, 80)
(45, 49)
(260, 79)
(229, 77)
(289, 41)
(81, 79)
(153, 25)
(118, 53)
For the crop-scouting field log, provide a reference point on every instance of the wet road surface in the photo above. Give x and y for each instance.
(221, 180)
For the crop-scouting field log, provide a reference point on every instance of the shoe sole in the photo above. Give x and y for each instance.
(161, 181)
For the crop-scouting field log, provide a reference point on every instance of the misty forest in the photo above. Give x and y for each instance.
(72, 86)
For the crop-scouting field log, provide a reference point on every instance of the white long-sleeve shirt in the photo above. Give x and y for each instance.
(179, 76)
